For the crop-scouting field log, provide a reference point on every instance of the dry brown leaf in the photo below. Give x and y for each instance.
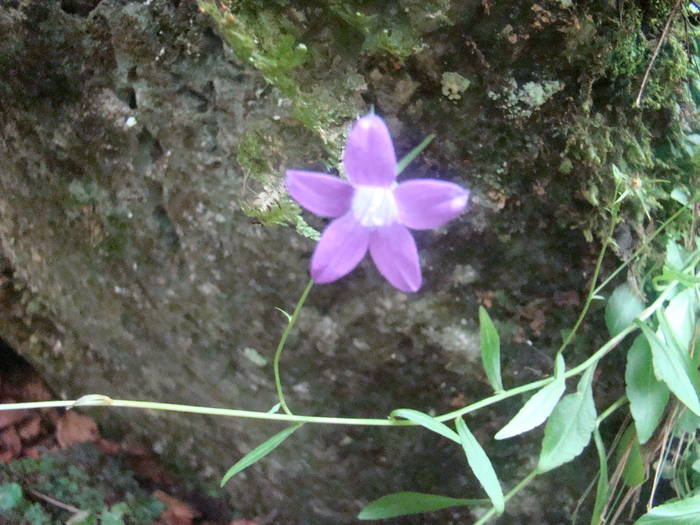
(176, 512)
(74, 428)
(10, 417)
(109, 447)
(35, 390)
(30, 429)
(10, 444)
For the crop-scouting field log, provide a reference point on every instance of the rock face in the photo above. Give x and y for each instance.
(141, 152)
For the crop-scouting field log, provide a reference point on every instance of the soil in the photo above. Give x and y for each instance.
(33, 433)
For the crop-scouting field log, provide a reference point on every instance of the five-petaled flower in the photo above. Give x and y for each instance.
(372, 211)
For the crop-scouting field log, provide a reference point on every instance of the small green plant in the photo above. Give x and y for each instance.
(78, 486)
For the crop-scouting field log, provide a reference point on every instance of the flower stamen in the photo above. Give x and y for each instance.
(374, 206)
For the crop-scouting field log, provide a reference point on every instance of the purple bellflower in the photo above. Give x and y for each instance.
(372, 211)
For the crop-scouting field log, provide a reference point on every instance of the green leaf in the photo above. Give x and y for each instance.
(628, 451)
(481, 465)
(679, 315)
(622, 309)
(681, 512)
(405, 503)
(674, 368)
(538, 408)
(570, 426)
(10, 495)
(647, 395)
(259, 452)
(401, 165)
(110, 517)
(676, 256)
(490, 349)
(424, 420)
(601, 493)
(82, 517)
(681, 195)
(687, 422)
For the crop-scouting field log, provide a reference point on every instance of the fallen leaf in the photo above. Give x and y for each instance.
(10, 417)
(109, 447)
(10, 444)
(74, 428)
(32, 452)
(35, 390)
(176, 512)
(30, 429)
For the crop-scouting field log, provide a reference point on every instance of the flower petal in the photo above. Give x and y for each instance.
(429, 203)
(369, 156)
(394, 252)
(342, 246)
(319, 193)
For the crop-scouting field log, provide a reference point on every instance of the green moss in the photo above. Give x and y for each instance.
(632, 50)
(267, 203)
(98, 485)
(521, 101)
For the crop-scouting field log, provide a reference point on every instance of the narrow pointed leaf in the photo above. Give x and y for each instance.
(622, 309)
(629, 455)
(647, 395)
(538, 408)
(401, 165)
(490, 349)
(602, 491)
(570, 426)
(481, 465)
(284, 313)
(674, 368)
(424, 420)
(405, 503)
(680, 512)
(259, 452)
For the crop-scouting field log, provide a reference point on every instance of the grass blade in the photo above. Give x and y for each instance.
(259, 452)
(401, 165)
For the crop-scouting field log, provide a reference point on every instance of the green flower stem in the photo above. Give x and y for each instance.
(596, 272)
(639, 250)
(609, 411)
(280, 345)
(520, 486)
(101, 400)
(523, 483)
(597, 356)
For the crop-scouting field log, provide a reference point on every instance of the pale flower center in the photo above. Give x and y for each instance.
(374, 206)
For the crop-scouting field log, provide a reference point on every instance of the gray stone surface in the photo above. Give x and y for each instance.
(133, 272)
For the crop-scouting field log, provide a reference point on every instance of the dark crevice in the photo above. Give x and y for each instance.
(79, 7)
(128, 95)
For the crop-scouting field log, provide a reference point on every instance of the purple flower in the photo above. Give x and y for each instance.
(372, 211)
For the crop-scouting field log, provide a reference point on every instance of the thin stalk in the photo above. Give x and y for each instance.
(101, 400)
(597, 356)
(608, 411)
(639, 250)
(521, 485)
(594, 279)
(283, 339)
